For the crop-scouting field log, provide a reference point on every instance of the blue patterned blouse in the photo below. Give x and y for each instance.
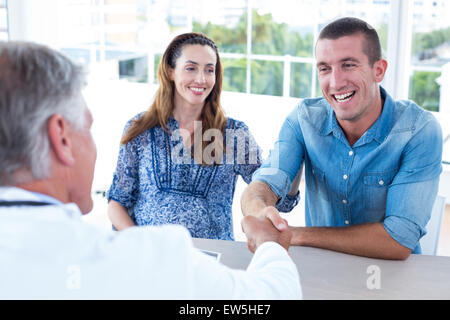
(157, 188)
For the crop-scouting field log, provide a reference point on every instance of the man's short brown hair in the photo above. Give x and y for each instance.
(350, 26)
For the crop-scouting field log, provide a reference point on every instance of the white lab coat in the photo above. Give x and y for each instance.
(49, 253)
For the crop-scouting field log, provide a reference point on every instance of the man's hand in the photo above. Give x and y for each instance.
(273, 215)
(259, 200)
(260, 230)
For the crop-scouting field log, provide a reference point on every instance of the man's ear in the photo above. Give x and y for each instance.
(380, 68)
(59, 133)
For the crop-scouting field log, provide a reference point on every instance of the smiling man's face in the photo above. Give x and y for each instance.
(347, 79)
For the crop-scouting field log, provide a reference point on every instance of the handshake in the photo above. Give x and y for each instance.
(262, 229)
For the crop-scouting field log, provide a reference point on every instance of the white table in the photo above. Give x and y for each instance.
(326, 274)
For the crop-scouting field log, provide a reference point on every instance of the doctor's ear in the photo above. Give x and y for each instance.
(60, 139)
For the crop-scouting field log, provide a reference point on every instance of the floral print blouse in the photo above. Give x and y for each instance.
(157, 188)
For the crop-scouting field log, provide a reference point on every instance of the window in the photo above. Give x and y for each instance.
(93, 31)
(4, 35)
(265, 48)
(279, 49)
(226, 22)
(430, 54)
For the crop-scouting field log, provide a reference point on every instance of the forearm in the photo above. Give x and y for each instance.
(369, 240)
(256, 197)
(271, 274)
(284, 282)
(119, 216)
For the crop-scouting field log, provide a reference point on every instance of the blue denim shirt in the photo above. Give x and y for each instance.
(390, 175)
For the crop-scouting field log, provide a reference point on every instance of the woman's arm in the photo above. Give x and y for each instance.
(119, 216)
(125, 181)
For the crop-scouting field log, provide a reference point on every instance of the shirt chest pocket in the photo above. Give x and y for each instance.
(376, 187)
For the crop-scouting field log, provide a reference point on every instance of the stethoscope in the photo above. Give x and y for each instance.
(23, 204)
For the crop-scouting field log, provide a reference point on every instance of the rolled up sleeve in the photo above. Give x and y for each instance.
(414, 189)
(286, 158)
(270, 275)
(408, 211)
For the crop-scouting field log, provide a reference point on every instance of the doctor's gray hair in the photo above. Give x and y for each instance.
(36, 82)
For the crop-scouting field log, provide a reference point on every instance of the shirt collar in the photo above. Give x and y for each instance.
(386, 119)
(18, 194)
(9, 193)
(172, 124)
(46, 198)
(378, 131)
(330, 124)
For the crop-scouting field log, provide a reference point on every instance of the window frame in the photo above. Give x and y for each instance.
(398, 47)
(288, 59)
(6, 30)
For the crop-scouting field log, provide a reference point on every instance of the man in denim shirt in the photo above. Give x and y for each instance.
(372, 164)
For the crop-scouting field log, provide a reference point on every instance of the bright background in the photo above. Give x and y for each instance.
(267, 52)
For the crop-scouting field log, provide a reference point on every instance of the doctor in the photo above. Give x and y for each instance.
(47, 159)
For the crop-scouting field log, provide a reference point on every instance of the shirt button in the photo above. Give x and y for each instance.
(344, 201)
(381, 182)
(351, 153)
(345, 177)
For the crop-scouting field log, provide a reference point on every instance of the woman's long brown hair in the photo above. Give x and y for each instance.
(213, 116)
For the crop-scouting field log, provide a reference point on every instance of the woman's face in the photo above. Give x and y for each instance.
(194, 75)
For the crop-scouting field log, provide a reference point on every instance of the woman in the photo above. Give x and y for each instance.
(163, 178)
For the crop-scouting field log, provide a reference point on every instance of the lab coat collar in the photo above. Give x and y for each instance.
(17, 194)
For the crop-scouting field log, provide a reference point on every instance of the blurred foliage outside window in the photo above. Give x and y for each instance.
(274, 57)
(268, 38)
(234, 75)
(424, 90)
(430, 50)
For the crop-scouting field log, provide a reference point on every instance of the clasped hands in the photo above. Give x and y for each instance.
(268, 226)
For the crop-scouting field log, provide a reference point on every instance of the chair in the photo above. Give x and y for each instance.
(430, 241)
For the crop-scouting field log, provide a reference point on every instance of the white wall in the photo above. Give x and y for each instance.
(32, 20)
(444, 184)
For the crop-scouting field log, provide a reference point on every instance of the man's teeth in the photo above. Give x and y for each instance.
(344, 97)
(198, 89)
